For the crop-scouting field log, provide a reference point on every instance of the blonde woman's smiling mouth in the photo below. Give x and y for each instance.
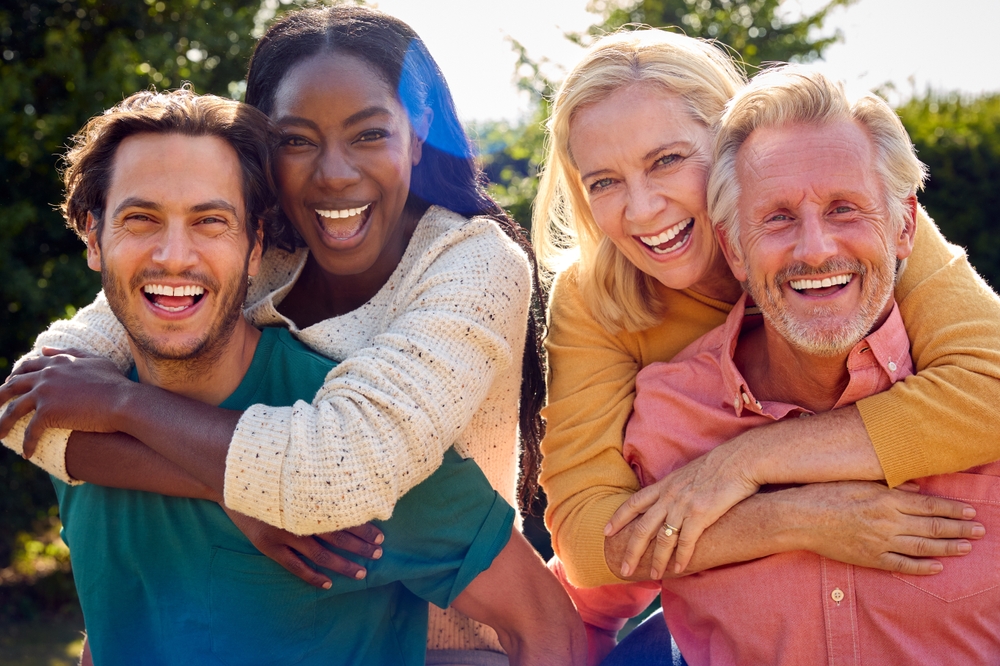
(660, 243)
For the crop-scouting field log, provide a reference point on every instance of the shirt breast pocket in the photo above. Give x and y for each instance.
(978, 572)
(260, 613)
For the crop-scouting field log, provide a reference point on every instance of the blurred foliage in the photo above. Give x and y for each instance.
(958, 138)
(757, 31)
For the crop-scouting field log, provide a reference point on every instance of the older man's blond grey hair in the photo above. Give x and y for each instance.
(563, 227)
(794, 94)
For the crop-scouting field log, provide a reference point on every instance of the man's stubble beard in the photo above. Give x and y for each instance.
(808, 332)
(194, 359)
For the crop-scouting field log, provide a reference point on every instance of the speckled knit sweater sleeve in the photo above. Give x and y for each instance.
(440, 332)
(93, 329)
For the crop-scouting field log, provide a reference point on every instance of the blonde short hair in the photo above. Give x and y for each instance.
(563, 227)
(800, 94)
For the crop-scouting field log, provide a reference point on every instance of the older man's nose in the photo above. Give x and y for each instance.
(815, 243)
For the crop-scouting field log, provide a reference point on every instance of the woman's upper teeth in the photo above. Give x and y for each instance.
(340, 214)
(653, 241)
(805, 283)
(167, 290)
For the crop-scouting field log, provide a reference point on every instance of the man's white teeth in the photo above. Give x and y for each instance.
(166, 290)
(799, 285)
(341, 214)
(669, 234)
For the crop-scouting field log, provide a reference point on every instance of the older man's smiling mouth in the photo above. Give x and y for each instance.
(825, 285)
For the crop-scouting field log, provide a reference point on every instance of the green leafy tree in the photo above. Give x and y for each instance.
(959, 140)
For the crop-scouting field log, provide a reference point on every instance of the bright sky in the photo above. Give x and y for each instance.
(946, 44)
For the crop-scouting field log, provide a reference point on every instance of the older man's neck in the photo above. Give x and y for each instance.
(777, 371)
(209, 377)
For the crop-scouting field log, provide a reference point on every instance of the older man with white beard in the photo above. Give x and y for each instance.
(815, 200)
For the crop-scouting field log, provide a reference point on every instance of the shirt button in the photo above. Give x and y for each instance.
(837, 595)
(892, 367)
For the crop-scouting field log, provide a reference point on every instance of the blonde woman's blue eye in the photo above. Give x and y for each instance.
(600, 184)
(668, 159)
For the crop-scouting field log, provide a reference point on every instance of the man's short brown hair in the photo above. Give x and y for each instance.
(89, 162)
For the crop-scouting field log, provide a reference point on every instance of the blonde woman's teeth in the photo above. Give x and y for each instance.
(799, 285)
(167, 290)
(655, 242)
(341, 214)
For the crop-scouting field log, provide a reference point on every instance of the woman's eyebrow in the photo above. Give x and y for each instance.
(297, 120)
(365, 114)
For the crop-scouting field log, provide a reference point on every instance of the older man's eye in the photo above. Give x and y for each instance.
(778, 217)
(840, 210)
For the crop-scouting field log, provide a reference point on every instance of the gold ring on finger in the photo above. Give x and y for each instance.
(669, 530)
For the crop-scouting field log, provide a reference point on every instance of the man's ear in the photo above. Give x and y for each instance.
(253, 261)
(93, 244)
(733, 257)
(908, 231)
(421, 128)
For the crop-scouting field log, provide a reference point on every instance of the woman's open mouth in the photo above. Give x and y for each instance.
(670, 240)
(343, 224)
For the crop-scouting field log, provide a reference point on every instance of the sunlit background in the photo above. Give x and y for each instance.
(62, 61)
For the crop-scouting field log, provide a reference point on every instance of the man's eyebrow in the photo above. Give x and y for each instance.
(135, 202)
(215, 204)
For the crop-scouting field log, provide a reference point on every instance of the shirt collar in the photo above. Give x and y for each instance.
(887, 347)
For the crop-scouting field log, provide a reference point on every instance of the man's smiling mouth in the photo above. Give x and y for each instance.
(173, 299)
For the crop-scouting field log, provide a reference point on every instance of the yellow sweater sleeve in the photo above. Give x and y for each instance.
(590, 393)
(591, 389)
(944, 418)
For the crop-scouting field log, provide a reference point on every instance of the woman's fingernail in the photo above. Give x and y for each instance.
(360, 574)
(965, 547)
(625, 570)
(380, 538)
(979, 531)
(968, 513)
(607, 529)
(327, 585)
(654, 574)
(377, 554)
(937, 567)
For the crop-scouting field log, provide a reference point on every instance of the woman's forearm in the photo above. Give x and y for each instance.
(117, 460)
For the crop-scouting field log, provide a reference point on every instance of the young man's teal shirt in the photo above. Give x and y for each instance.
(165, 580)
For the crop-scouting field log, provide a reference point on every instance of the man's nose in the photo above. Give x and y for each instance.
(816, 243)
(176, 250)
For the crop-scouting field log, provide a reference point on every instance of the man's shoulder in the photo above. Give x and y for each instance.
(282, 372)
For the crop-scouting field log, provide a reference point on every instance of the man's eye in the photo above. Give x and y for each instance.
(779, 217)
(842, 209)
(599, 185)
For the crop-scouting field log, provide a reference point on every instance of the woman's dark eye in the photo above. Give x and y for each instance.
(294, 141)
(372, 135)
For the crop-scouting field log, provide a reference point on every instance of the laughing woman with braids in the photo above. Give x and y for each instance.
(393, 261)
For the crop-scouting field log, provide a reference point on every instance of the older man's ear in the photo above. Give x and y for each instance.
(734, 257)
(904, 241)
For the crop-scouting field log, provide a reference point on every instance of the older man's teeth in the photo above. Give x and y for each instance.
(656, 242)
(341, 214)
(800, 285)
(167, 290)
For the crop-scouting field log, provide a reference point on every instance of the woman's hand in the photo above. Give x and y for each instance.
(288, 549)
(869, 525)
(689, 499)
(66, 389)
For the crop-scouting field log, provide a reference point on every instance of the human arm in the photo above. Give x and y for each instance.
(937, 421)
(856, 522)
(530, 611)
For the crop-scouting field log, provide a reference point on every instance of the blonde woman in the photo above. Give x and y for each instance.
(621, 218)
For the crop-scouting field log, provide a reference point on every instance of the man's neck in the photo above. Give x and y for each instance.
(211, 376)
(779, 372)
